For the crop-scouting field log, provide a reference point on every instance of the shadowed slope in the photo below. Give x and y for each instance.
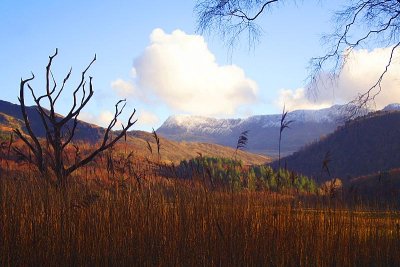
(366, 145)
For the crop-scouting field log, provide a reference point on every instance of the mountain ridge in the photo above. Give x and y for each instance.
(330, 114)
(308, 126)
(172, 151)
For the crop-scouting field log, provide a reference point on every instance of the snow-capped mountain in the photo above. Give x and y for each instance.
(211, 125)
(198, 123)
(307, 126)
(392, 107)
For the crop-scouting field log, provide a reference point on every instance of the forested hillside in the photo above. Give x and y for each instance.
(363, 146)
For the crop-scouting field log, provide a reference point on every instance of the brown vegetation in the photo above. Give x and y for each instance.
(129, 208)
(108, 217)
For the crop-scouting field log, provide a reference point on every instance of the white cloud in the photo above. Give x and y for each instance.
(364, 69)
(147, 118)
(102, 119)
(180, 70)
(123, 88)
(297, 99)
(360, 72)
(133, 73)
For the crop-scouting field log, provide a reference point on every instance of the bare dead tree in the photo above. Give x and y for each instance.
(231, 18)
(361, 24)
(60, 131)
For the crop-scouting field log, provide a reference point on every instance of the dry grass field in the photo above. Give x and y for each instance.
(171, 222)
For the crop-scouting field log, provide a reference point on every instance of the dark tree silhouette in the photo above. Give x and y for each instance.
(50, 154)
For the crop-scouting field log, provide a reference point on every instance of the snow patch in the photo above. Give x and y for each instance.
(392, 107)
(200, 124)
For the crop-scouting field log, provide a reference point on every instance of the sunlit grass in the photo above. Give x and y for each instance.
(181, 223)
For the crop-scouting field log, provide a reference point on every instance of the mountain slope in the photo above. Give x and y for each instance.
(308, 126)
(11, 117)
(171, 151)
(363, 146)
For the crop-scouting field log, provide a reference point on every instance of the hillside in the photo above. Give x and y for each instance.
(383, 187)
(363, 146)
(307, 126)
(171, 151)
(11, 117)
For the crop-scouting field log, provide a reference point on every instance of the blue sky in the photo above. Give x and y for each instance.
(149, 52)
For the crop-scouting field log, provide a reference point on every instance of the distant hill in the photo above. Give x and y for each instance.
(308, 126)
(171, 151)
(11, 117)
(366, 145)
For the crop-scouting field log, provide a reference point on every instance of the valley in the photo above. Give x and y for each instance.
(169, 198)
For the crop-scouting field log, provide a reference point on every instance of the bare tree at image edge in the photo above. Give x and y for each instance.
(50, 155)
(360, 24)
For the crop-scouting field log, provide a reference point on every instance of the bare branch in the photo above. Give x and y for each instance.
(25, 140)
(48, 73)
(74, 112)
(35, 147)
(230, 18)
(60, 131)
(241, 14)
(362, 100)
(43, 114)
(54, 83)
(62, 87)
(105, 144)
(71, 133)
(360, 25)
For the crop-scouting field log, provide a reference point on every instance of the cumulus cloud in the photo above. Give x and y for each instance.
(180, 70)
(147, 118)
(123, 88)
(102, 119)
(360, 72)
(298, 99)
